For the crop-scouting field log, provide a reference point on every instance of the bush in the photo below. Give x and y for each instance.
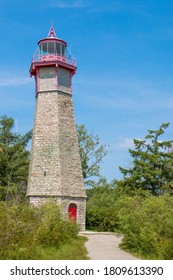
(148, 225)
(101, 218)
(146, 221)
(17, 229)
(25, 230)
(53, 230)
(100, 214)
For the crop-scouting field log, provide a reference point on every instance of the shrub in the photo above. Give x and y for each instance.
(53, 230)
(148, 226)
(25, 230)
(146, 221)
(100, 209)
(17, 229)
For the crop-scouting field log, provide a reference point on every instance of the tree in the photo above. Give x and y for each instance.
(91, 154)
(101, 210)
(14, 160)
(152, 164)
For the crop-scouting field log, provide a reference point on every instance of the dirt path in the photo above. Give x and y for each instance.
(105, 246)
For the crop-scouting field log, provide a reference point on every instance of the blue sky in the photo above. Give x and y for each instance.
(124, 52)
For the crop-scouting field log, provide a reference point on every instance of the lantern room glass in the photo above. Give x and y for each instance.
(55, 48)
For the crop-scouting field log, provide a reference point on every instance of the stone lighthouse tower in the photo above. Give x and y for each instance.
(55, 167)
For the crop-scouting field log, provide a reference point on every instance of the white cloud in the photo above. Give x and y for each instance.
(125, 143)
(122, 143)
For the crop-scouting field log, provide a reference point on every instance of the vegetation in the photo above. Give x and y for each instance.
(140, 206)
(146, 221)
(91, 154)
(152, 164)
(38, 233)
(14, 161)
(101, 207)
(27, 232)
(147, 225)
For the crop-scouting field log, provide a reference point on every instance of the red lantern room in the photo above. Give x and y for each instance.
(52, 51)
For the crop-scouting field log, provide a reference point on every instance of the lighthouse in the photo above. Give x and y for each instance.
(55, 168)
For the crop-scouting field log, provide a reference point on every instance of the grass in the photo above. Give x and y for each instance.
(74, 250)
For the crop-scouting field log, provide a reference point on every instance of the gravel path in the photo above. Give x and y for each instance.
(105, 246)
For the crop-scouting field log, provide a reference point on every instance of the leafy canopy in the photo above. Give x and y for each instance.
(14, 160)
(152, 167)
(91, 154)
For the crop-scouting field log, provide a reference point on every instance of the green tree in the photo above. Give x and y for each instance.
(152, 167)
(14, 160)
(91, 154)
(101, 201)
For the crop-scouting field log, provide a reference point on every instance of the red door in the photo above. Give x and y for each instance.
(72, 211)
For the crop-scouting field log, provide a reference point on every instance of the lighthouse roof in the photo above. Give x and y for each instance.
(52, 37)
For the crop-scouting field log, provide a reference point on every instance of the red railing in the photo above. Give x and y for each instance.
(37, 57)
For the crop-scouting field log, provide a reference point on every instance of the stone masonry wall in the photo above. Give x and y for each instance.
(71, 171)
(55, 167)
(64, 203)
(45, 172)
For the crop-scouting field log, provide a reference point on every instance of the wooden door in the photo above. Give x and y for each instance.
(72, 211)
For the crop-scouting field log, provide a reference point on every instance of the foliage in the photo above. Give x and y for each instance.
(146, 221)
(14, 160)
(147, 225)
(100, 213)
(18, 224)
(152, 164)
(32, 233)
(91, 154)
(53, 230)
(127, 206)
